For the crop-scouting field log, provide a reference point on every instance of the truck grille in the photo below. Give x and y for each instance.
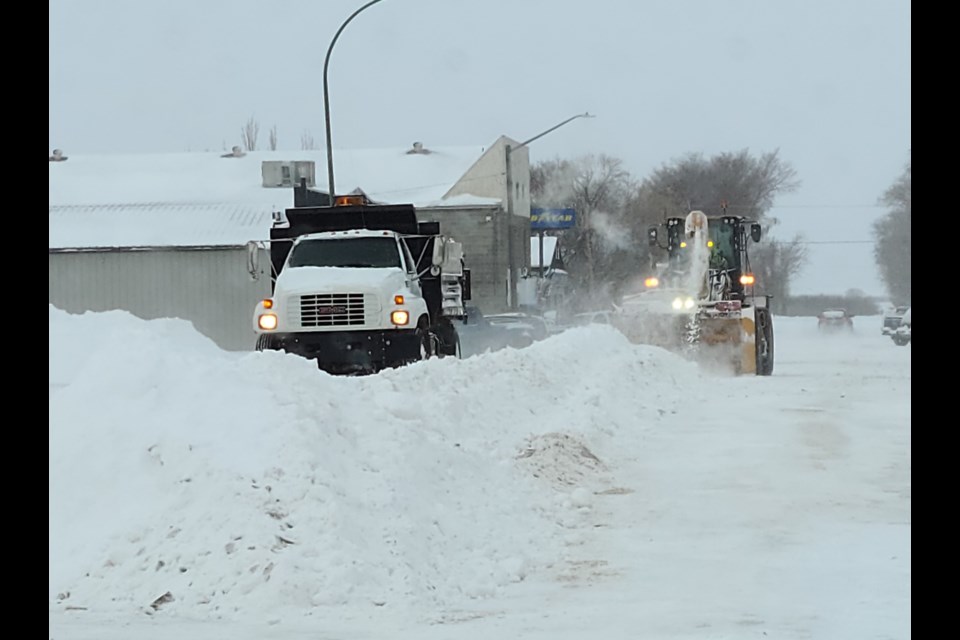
(331, 310)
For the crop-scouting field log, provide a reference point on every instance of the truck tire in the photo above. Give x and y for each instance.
(452, 350)
(764, 341)
(428, 340)
(264, 343)
(900, 341)
(448, 340)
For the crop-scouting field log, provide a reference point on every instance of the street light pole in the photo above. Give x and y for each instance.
(326, 98)
(509, 169)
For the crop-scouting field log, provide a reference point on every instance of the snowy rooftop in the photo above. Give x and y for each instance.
(203, 198)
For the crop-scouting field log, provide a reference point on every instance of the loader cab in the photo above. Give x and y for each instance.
(729, 258)
(731, 236)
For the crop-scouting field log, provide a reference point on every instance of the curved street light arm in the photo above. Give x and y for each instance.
(326, 96)
(553, 128)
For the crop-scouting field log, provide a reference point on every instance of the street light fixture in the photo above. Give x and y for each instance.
(326, 97)
(509, 150)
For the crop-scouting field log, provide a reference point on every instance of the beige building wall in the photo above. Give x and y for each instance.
(209, 286)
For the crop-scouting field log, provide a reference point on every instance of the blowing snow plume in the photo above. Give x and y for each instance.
(696, 234)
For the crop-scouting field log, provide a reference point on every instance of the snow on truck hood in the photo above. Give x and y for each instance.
(340, 279)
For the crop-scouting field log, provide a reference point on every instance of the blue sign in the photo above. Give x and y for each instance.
(552, 218)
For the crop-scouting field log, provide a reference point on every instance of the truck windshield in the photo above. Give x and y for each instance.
(371, 253)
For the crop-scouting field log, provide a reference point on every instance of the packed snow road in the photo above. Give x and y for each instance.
(581, 487)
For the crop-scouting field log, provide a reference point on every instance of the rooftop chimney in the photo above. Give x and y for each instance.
(236, 152)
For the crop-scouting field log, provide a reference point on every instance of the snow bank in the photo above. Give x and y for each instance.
(218, 484)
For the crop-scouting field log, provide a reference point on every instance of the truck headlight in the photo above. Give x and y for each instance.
(267, 321)
(400, 317)
(683, 304)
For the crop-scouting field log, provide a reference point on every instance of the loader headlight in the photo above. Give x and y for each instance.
(747, 279)
(683, 304)
(400, 317)
(267, 321)
(652, 282)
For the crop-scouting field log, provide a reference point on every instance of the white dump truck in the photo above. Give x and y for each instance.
(360, 287)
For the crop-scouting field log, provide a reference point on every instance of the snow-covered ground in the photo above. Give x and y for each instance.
(582, 487)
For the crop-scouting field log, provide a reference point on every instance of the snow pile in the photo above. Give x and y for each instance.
(219, 484)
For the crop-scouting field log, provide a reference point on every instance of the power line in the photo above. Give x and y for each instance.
(825, 242)
(830, 206)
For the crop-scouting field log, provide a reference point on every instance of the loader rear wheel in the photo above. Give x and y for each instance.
(764, 341)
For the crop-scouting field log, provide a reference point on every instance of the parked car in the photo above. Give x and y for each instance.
(833, 320)
(892, 318)
(901, 336)
(480, 333)
(592, 317)
(523, 329)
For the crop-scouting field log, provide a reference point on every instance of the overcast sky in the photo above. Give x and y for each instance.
(825, 82)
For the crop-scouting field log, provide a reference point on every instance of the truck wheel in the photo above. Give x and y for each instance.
(428, 341)
(449, 346)
(900, 341)
(264, 343)
(454, 352)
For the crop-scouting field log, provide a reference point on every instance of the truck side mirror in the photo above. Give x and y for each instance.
(755, 232)
(448, 256)
(253, 260)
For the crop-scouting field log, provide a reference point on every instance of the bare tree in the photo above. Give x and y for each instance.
(599, 251)
(249, 133)
(893, 238)
(307, 142)
(273, 138)
(775, 265)
(608, 251)
(746, 185)
(736, 183)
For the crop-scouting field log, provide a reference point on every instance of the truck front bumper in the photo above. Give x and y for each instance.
(350, 352)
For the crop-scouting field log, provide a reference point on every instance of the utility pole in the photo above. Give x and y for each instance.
(513, 268)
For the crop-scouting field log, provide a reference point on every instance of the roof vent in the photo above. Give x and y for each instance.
(236, 152)
(57, 156)
(419, 148)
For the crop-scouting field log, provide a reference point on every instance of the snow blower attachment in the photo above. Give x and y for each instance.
(701, 301)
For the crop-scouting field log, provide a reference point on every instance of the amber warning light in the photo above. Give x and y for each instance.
(348, 201)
